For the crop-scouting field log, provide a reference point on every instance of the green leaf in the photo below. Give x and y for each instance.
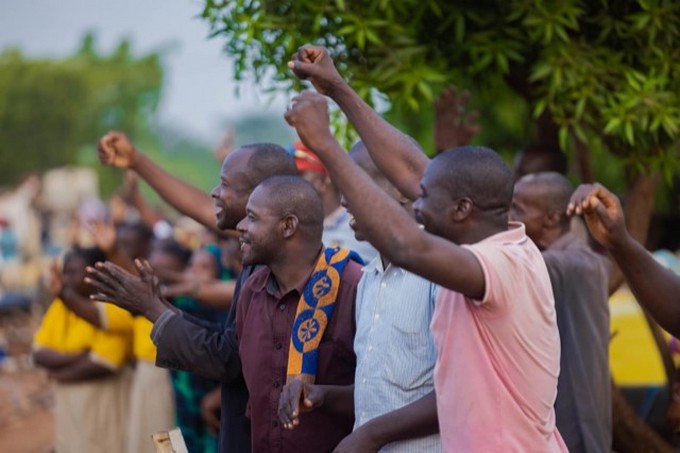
(564, 137)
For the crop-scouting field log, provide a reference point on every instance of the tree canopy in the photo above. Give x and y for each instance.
(604, 73)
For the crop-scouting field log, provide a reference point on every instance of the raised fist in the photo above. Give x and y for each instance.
(116, 150)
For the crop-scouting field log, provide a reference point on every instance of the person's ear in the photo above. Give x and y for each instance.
(461, 209)
(552, 219)
(289, 226)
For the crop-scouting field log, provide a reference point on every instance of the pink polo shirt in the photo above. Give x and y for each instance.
(498, 359)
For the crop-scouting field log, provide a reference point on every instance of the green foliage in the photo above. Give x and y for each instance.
(53, 111)
(607, 71)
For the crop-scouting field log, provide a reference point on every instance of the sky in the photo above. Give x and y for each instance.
(198, 96)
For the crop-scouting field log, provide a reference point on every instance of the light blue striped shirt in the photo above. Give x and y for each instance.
(394, 348)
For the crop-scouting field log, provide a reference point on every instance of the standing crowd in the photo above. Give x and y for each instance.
(383, 301)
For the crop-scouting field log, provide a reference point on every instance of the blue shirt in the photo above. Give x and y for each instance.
(394, 348)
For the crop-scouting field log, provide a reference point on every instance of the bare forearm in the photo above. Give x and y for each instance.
(52, 360)
(83, 369)
(145, 213)
(396, 154)
(184, 197)
(216, 294)
(417, 419)
(655, 287)
(84, 308)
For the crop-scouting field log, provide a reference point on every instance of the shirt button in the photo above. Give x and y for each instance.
(383, 285)
(377, 315)
(282, 307)
(370, 348)
(275, 423)
(276, 384)
(363, 381)
(278, 346)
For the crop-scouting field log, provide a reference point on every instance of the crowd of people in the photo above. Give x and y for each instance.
(382, 300)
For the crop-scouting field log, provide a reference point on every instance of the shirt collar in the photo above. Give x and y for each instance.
(270, 285)
(335, 218)
(514, 234)
(375, 266)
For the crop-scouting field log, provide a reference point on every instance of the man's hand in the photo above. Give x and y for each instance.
(308, 114)
(314, 63)
(453, 125)
(116, 150)
(312, 396)
(361, 440)
(134, 294)
(602, 211)
(210, 409)
(104, 235)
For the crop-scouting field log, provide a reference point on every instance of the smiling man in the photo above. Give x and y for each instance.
(295, 318)
(185, 342)
(494, 322)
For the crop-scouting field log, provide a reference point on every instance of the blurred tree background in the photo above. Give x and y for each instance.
(53, 111)
(598, 79)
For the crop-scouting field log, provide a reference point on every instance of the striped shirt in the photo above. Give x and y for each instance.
(394, 348)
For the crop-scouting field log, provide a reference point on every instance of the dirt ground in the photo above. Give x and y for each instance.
(26, 420)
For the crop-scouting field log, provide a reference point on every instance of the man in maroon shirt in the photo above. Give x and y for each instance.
(282, 230)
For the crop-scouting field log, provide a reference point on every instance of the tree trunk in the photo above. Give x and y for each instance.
(639, 204)
(637, 207)
(585, 166)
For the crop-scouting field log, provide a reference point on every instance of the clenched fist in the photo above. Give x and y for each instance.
(116, 150)
(308, 114)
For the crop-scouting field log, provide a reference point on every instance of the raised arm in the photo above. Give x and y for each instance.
(135, 198)
(396, 154)
(655, 287)
(383, 221)
(115, 149)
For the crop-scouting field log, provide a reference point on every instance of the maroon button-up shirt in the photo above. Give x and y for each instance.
(264, 323)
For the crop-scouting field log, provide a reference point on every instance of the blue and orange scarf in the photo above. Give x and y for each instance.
(314, 311)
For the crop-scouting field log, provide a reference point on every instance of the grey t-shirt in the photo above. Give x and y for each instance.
(579, 279)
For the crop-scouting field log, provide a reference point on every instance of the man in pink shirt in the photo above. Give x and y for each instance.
(494, 322)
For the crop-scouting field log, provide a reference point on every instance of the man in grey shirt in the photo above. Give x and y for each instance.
(579, 279)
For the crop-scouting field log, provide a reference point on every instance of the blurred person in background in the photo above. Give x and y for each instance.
(87, 363)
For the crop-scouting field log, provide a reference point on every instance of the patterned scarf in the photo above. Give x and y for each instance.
(314, 310)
